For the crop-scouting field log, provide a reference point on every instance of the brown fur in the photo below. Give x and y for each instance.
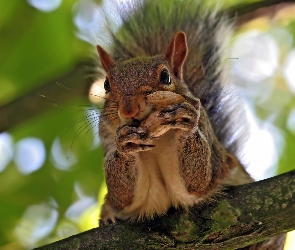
(158, 156)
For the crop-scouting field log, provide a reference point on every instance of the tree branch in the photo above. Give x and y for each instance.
(241, 216)
(72, 85)
(246, 12)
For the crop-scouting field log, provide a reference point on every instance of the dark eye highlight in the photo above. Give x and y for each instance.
(165, 78)
(107, 86)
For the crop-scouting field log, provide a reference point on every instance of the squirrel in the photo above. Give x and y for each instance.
(169, 129)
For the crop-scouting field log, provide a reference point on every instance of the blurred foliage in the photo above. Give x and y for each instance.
(38, 46)
(35, 46)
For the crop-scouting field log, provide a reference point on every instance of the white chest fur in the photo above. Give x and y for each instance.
(159, 184)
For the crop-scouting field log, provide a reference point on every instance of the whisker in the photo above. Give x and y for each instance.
(91, 120)
(48, 99)
(102, 97)
(93, 125)
(67, 88)
(96, 135)
(82, 119)
(79, 131)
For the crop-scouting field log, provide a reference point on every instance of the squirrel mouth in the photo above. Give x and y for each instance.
(135, 123)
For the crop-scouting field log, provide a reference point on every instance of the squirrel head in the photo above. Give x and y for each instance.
(128, 82)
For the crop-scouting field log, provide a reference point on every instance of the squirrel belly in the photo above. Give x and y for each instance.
(159, 183)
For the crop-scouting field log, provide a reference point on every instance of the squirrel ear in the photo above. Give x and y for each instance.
(176, 53)
(106, 61)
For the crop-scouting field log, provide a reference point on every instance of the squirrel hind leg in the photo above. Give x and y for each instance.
(107, 215)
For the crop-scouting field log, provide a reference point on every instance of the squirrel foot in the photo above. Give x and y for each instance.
(107, 215)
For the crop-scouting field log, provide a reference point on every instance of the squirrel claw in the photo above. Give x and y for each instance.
(130, 147)
(106, 222)
(132, 140)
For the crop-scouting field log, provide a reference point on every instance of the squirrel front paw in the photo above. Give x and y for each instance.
(132, 139)
(182, 116)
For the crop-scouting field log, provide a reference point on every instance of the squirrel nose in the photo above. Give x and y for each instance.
(129, 107)
(130, 111)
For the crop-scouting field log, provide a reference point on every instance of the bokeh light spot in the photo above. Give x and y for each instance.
(45, 5)
(265, 139)
(257, 56)
(89, 18)
(66, 229)
(6, 150)
(37, 222)
(289, 70)
(77, 208)
(62, 159)
(291, 121)
(30, 155)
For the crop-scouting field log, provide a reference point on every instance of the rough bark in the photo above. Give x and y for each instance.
(238, 217)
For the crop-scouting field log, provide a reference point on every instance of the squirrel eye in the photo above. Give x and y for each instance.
(165, 78)
(107, 86)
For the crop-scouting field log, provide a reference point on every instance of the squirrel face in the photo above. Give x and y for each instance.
(129, 82)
